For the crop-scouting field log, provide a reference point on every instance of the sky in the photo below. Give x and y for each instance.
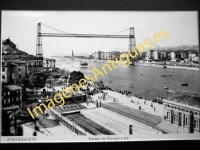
(21, 28)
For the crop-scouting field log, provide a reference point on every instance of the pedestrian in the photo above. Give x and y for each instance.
(154, 109)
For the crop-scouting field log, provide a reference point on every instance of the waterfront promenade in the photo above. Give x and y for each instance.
(167, 66)
(124, 100)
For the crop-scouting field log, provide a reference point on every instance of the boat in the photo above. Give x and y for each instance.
(185, 84)
(163, 75)
(83, 64)
(171, 91)
(165, 87)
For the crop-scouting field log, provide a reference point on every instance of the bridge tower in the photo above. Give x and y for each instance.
(39, 51)
(132, 43)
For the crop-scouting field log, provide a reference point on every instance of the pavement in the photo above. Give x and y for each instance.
(119, 124)
(126, 101)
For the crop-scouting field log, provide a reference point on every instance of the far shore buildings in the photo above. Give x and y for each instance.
(169, 54)
(100, 55)
(181, 114)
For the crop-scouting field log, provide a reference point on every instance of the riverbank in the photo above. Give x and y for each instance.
(167, 66)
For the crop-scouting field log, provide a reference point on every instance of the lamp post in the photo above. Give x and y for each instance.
(53, 92)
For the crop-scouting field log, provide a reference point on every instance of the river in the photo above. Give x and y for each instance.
(140, 80)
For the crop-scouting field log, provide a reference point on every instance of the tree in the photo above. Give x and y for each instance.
(37, 80)
(75, 76)
(56, 76)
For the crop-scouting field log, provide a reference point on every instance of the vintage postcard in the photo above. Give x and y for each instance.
(99, 76)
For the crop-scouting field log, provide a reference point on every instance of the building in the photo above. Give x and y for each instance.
(105, 55)
(8, 45)
(11, 53)
(32, 63)
(184, 55)
(181, 114)
(11, 97)
(99, 55)
(191, 54)
(115, 54)
(49, 63)
(173, 55)
(13, 72)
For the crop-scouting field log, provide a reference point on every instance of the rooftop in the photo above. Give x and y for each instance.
(192, 100)
(49, 59)
(13, 87)
(14, 51)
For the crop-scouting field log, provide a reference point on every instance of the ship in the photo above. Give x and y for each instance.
(83, 64)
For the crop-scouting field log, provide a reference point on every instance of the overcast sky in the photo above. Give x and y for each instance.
(21, 27)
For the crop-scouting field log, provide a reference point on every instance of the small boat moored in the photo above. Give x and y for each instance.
(171, 91)
(184, 84)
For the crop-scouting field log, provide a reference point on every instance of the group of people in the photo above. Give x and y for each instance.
(140, 108)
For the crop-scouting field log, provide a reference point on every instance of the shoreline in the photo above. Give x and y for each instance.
(167, 66)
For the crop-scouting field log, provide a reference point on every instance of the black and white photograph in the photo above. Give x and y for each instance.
(99, 76)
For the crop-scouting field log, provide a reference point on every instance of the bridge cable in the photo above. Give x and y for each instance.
(148, 39)
(55, 29)
(119, 31)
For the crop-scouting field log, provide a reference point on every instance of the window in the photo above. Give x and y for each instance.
(13, 76)
(168, 115)
(196, 124)
(19, 76)
(19, 69)
(186, 120)
(3, 69)
(17, 99)
(3, 63)
(3, 77)
(8, 100)
(175, 117)
(8, 93)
